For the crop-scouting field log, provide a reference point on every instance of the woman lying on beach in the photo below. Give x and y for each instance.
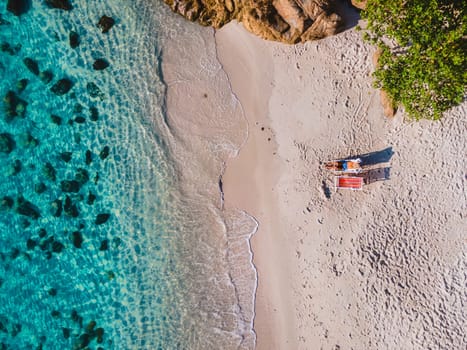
(346, 165)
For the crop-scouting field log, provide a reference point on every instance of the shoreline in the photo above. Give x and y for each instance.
(248, 183)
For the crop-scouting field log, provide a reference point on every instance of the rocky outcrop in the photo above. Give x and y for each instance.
(289, 21)
(360, 4)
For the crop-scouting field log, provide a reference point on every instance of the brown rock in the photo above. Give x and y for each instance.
(288, 21)
(360, 4)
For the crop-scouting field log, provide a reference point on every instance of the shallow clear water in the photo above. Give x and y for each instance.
(109, 236)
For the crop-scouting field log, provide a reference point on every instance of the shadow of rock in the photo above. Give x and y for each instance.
(349, 14)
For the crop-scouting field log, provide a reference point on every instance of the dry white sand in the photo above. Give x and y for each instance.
(383, 268)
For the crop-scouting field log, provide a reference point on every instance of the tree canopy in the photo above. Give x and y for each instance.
(423, 43)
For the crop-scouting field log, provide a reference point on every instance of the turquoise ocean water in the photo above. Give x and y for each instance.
(112, 232)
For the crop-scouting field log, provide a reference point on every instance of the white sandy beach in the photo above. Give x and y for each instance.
(383, 268)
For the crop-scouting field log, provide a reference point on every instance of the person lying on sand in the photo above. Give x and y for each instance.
(348, 165)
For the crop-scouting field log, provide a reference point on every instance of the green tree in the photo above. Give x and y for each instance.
(423, 43)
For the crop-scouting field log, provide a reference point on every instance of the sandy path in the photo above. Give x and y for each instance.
(383, 268)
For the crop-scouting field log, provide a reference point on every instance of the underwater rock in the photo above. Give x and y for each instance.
(22, 84)
(94, 91)
(70, 186)
(59, 4)
(3, 21)
(88, 157)
(78, 108)
(3, 324)
(15, 168)
(57, 247)
(25, 223)
(27, 140)
(104, 153)
(12, 50)
(100, 64)
(70, 208)
(66, 156)
(26, 208)
(31, 65)
(82, 176)
(74, 40)
(77, 239)
(18, 7)
(15, 329)
(14, 106)
(7, 143)
(46, 76)
(102, 218)
(90, 327)
(45, 244)
(91, 198)
(82, 342)
(62, 87)
(76, 318)
(94, 113)
(40, 188)
(42, 233)
(66, 332)
(6, 203)
(288, 21)
(57, 208)
(56, 119)
(14, 253)
(31, 244)
(100, 335)
(80, 120)
(104, 245)
(49, 171)
(105, 23)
